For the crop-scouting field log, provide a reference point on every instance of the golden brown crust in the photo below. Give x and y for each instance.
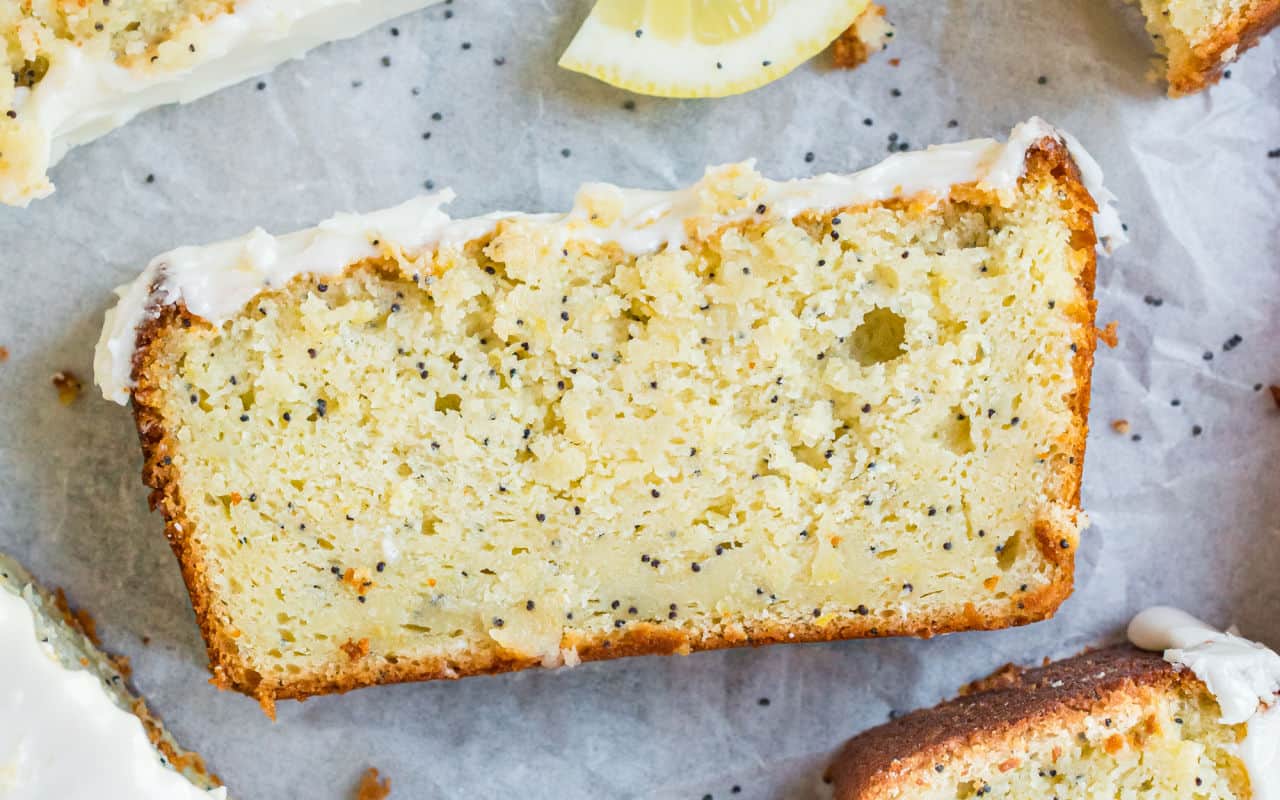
(1210, 58)
(1055, 539)
(1009, 707)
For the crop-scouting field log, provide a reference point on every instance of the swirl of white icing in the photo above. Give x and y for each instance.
(1244, 677)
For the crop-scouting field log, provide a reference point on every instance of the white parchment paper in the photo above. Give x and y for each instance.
(1184, 506)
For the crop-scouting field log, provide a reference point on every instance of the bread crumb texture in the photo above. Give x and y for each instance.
(1199, 38)
(142, 35)
(501, 455)
(1154, 744)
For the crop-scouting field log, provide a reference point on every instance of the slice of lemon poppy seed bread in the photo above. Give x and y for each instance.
(401, 447)
(69, 726)
(1199, 719)
(77, 69)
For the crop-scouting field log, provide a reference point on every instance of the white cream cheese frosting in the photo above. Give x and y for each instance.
(84, 95)
(62, 736)
(215, 281)
(1243, 675)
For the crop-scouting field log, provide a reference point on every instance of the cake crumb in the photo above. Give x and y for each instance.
(68, 386)
(4, 354)
(1108, 334)
(1120, 426)
(356, 650)
(1275, 393)
(869, 34)
(266, 702)
(372, 787)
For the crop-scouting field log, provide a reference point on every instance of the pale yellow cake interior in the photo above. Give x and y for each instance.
(1156, 746)
(849, 418)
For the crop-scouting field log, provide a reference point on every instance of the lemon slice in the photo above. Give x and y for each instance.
(703, 48)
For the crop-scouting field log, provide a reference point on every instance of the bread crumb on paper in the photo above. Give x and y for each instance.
(372, 787)
(1108, 334)
(869, 34)
(68, 386)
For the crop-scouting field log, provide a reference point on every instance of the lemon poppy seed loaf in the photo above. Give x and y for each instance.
(399, 446)
(76, 70)
(1196, 717)
(1200, 38)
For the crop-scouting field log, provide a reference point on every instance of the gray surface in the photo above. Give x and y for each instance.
(1177, 518)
